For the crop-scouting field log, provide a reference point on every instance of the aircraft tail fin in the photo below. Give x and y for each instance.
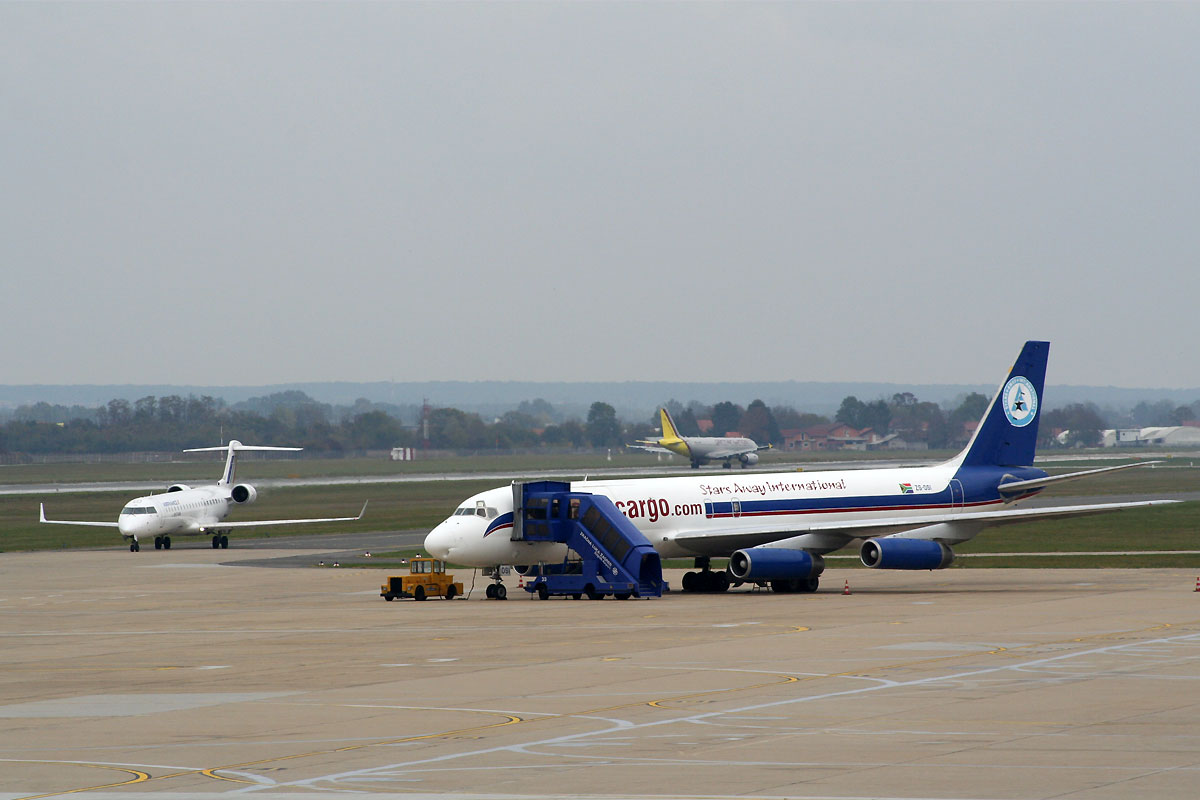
(1007, 434)
(670, 433)
(231, 460)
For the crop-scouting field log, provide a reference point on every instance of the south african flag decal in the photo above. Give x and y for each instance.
(906, 488)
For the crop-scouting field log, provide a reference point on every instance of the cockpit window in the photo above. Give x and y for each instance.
(487, 512)
(139, 510)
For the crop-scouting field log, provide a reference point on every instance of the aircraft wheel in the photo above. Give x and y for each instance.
(133, 548)
(689, 582)
(216, 542)
(451, 592)
(224, 542)
(501, 592)
(781, 586)
(166, 543)
(810, 584)
(542, 592)
(158, 543)
(490, 592)
(419, 593)
(721, 582)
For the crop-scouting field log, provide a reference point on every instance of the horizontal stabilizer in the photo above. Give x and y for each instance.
(1037, 483)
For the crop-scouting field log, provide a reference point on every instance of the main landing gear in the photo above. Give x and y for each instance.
(709, 582)
(220, 540)
(706, 580)
(162, 542)
(804, 585)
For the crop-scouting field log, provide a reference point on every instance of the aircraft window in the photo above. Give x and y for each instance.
(491, 512)
(481, 512)
(138, 510)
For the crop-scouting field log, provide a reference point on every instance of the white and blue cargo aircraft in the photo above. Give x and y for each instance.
(775, 527)
(187, 511)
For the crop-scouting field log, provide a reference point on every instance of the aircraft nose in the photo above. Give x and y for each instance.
(128, 525)
(438, 542)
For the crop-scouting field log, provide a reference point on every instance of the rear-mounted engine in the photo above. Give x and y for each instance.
(243, 493)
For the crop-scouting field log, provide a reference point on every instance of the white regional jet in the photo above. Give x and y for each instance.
(187, 511)
(775, 527)
(701, 448)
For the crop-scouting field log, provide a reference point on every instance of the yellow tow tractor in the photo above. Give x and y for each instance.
(427, 578)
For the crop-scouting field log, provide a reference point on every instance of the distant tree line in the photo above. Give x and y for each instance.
(173, 423)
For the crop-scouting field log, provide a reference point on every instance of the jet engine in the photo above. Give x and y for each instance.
(774, 563)
(893, 552)
(178, 487)
(243, 493)
(748, 458)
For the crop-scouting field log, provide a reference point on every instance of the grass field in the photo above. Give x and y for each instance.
(406, 506)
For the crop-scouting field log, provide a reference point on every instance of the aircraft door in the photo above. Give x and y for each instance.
(956, 493)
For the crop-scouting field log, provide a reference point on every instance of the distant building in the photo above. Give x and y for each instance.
(1169, 436)
(404, 454)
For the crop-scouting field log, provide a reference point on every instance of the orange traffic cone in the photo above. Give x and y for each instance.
(521, 582)
(847, 589)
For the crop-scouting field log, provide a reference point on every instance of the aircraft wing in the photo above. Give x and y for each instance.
(729, 452)
(834, 535)
(264, 522)
(649, 448)
(42, 518)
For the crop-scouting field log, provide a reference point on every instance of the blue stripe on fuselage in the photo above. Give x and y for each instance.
(979, 488)
(502, 521)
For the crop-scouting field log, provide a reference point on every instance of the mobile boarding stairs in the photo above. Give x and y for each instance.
(607, 554)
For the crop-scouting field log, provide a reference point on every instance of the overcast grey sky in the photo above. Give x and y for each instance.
(252, 193)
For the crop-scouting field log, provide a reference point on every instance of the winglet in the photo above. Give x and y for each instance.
(41, 512)
(364, 510)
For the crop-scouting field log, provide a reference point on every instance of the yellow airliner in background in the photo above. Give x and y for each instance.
(700, 449)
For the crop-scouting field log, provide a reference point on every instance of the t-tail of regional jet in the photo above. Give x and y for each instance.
(183, 510)
(775, 528)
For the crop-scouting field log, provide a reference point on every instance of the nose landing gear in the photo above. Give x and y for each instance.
(495, 590)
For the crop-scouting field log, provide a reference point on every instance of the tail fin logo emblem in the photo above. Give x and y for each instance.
(1020, 401)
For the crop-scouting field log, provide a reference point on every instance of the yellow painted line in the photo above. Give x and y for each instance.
(138, 777)
(658, 703)
(211, 772)
(801, 629)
